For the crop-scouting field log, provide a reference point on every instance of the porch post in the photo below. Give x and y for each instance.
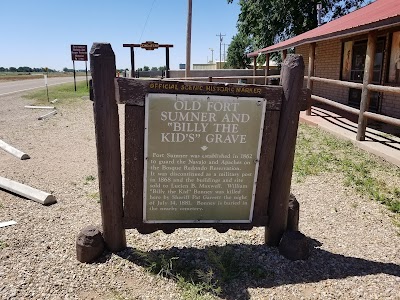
(311, 63)
(266, 68)
(254, 68)
(365, 94)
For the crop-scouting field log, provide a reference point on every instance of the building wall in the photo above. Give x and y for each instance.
(328, 60)
(327, 65)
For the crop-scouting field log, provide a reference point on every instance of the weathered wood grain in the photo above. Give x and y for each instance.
(133, 91)
(102, 65)
(292, 81)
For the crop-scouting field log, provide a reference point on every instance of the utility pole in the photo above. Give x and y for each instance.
(225, 51)
(220, 44)
(188, 38)
(212, 54)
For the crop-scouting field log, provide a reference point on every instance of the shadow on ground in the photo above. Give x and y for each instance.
(381, 137)
(236, 267)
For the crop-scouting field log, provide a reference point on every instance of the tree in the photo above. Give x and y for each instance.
(270, 21)
(163, 68)
(146, 68)
(24, 69)
(240, 45)
(154, 69)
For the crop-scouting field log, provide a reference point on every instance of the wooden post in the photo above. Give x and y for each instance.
(292, 76)
(102, 66)
(365, 94)
(266, 68)
(167, 62)
(132, 62)
(311, 63)
(254, 68)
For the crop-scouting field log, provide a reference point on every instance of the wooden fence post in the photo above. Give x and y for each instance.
(254, 68)
(102, 66)
(292, 77)
(365, 93)
(266, 68)
(311, 63)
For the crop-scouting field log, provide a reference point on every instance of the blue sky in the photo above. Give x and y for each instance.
(39, 33)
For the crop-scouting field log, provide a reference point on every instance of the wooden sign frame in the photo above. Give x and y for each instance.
(276, 157)
(149, 45)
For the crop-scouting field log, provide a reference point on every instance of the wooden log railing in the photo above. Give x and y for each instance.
(370, 87)
(346, 108)
(211, 78)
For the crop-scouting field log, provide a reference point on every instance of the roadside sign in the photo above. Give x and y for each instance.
(79, 52)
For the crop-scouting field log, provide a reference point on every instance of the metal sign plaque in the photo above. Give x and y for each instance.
(201, 158)
(79, 52)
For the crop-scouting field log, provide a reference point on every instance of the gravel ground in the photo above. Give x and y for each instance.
(356, 252)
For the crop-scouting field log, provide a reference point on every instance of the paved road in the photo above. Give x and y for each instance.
(11, 87)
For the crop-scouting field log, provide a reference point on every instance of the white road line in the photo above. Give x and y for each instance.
(39, 87)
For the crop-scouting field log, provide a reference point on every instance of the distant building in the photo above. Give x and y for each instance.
(182, 66)
(208, 66)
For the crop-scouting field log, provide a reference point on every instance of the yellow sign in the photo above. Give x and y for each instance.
(201, 158)
(149, 45)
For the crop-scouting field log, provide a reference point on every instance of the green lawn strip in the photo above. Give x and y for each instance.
(318, 152)
(65, 93)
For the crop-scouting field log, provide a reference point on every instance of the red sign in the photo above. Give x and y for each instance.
(149, 45)
(79, 52)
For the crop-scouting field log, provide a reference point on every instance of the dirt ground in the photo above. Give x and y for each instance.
(355, 255)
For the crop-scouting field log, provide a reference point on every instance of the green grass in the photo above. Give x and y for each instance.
(94, 196)
(65, 93)
(203, 276)
(318, 152)
(194, 283)
(3, 245)
(90, 178)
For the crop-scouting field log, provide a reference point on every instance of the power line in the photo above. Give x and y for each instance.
(145, 23)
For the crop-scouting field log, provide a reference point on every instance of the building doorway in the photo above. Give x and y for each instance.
(357, 73)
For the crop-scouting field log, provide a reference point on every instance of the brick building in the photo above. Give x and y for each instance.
(338, 51)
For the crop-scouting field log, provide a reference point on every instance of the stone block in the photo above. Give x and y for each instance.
(294, 245)
(89, 244)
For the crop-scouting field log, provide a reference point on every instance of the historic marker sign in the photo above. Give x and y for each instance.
(192, 151)
(79, 52)
(201, 158)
